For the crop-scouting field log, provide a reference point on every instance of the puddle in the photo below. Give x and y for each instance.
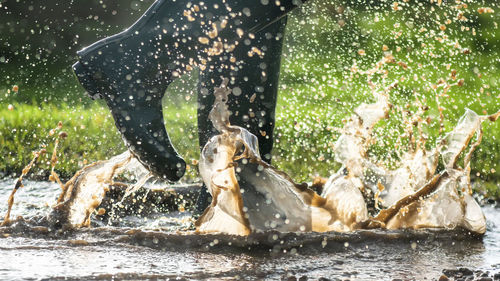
(153, 248)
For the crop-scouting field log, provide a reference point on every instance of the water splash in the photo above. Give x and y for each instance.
(84, 192)
(36, 155)
(251, 196)
(19, 184)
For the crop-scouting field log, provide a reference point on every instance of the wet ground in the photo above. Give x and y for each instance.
(161, 246)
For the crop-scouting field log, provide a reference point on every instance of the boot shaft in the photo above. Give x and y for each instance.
(173, 37)
(131, 70)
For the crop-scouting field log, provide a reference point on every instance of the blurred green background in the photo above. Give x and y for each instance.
(329, 46)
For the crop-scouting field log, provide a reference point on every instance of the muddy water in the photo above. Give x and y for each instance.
(161, 246)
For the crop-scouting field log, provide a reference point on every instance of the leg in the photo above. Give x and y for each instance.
(131, 70)
(255, 87)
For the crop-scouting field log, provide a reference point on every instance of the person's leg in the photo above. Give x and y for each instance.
(132, 70)
(255, 87)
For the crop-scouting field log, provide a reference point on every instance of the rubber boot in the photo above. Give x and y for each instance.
(253, 101)
(131, 70)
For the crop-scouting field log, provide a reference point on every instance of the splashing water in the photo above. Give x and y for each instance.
(84, 192)
(252, 196)
(423, 187)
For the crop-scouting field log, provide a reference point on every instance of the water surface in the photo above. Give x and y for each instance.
(160, 247)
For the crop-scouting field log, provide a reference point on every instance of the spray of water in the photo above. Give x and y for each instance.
(36, 155)
(84, 192)
(252, 196)
(19, 184)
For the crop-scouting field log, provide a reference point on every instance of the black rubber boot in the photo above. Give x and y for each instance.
(131, 70)
(255, 88)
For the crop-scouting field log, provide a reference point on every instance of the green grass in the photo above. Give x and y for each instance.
(25, 129)
(91, 133)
